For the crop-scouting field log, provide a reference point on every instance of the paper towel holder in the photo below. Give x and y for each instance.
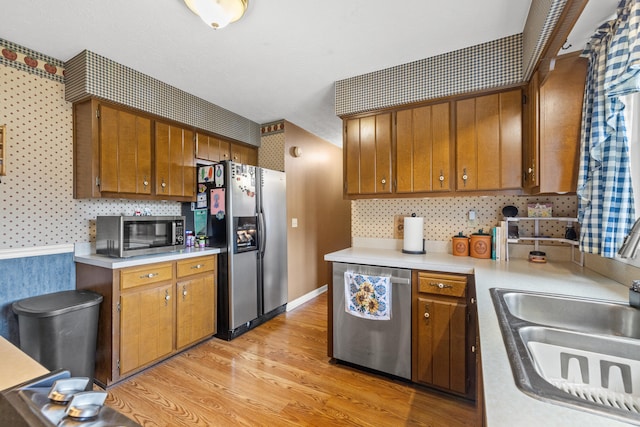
(422, 252)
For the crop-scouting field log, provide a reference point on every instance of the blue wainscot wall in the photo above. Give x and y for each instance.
(30, 272)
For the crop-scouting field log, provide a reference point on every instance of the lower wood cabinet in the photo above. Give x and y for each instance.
(444, 332)
(146, 326)
(150, 312)
(195, 296)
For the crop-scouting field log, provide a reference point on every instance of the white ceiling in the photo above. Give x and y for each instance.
(282, 59)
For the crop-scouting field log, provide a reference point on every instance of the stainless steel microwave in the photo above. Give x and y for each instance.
(127, 236)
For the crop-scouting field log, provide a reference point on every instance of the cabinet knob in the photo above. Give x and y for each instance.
(384, 181)
(440, 285)
(184, 291)
(197, 266)
(464, 176)
(145, 182)
(441, 179)
(473, 349)
(149, 276)
(164, 184)
(427, 315)
(167, 297)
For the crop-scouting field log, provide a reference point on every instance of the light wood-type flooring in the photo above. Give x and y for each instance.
(279, 375)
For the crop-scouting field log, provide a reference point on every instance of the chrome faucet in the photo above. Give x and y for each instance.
(628, 249)
(630, 244)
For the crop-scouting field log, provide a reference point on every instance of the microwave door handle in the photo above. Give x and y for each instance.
(173, 233)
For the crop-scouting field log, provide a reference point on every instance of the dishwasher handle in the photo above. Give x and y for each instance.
(400, 280)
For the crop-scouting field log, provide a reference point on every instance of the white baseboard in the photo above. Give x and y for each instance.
(292, 305)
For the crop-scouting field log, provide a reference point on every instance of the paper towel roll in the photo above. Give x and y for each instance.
(413, 235)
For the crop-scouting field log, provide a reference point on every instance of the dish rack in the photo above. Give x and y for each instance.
(599, 378)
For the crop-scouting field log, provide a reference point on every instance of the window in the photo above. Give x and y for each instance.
(632, 123)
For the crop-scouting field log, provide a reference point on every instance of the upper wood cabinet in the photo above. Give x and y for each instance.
(423, 149)
(244, 154)
(554, 113)
(209, 147)
(111, 151)
(367, 151)
(489, 142)
(175, 171)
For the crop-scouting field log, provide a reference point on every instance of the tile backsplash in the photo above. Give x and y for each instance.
(447, 216)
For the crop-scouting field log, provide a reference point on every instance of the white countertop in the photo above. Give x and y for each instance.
(505, 404)
(17, 367)
(113, 263)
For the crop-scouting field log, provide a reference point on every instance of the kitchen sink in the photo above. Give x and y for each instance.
(578, 314)
(575, 352)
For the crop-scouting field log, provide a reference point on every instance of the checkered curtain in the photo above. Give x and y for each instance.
(605, 195)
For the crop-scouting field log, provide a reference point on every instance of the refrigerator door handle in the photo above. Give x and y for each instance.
(262, 234)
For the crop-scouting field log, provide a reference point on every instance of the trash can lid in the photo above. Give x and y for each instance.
(56, 303)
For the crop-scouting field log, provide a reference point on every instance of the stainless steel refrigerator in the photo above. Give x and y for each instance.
(248, 216)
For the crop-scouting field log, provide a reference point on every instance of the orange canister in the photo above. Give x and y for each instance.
(480, 246)
(460, 245)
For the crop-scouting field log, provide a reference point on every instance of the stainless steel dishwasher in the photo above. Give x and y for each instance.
(382, 345)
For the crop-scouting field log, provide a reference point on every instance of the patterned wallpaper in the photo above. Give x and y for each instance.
(446, 216)
(271, 152)
(31, 61)
(89, 74)
(541, 21)
(487, 65)
(36, 197)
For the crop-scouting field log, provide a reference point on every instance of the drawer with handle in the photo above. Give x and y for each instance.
(198, 265)
(442, 284)
(139, 276)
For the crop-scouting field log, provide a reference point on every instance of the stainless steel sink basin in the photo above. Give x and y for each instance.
(578, 314)
(575, 352)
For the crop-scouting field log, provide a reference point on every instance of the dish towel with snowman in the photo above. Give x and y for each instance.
(367, 296)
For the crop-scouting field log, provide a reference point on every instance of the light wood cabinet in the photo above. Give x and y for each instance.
(175, 171)
(244, 154)
(196, 295)
(489, 142)
(112, 151)
(554, 115)
(368, 156)
(423, 149)
(211, 148)
(444, 332)
(150, 312)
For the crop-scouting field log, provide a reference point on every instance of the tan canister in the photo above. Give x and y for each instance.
(460, 245)
(480, 246)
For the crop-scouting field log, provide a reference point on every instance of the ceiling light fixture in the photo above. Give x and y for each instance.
(218, 13)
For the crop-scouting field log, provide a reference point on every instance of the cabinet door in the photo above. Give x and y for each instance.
(368, 155)
(441, 344)
(489, 141)
(530, 146)
(224, 150)
(174, 162)
(195, 309)
(146, 326)
(203, 149)
(423, 149)
(125, 152)
(561, 97)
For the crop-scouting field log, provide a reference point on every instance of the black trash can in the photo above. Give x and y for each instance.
(60, 329)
